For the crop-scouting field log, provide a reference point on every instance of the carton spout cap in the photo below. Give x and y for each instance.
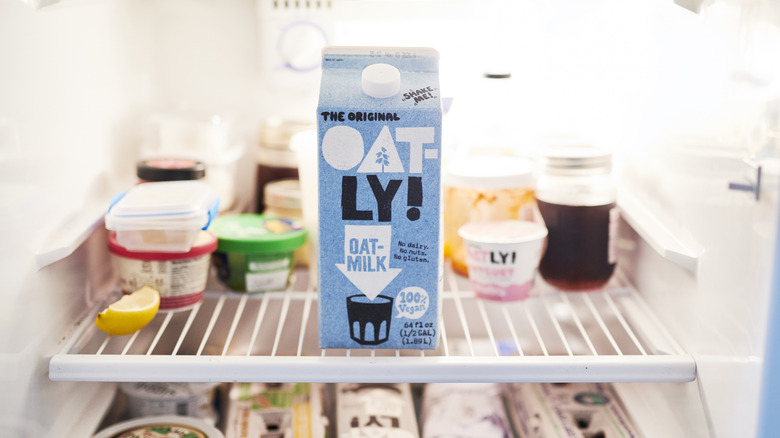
(381, 80)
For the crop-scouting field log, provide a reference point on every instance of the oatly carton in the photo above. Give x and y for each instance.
(379, 134)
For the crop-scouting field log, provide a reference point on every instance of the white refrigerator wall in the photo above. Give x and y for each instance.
(646, 78)
(72, 81)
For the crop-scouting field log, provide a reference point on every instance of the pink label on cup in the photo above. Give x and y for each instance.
(503, 268)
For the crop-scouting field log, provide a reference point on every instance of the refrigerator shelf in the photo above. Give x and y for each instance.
(604, 336)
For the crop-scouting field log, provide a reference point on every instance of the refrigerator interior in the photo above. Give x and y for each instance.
(686, 95)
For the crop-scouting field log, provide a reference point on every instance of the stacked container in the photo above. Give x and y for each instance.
(484, 188)
(159, 239)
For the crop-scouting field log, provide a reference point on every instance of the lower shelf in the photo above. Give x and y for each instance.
(604, 336)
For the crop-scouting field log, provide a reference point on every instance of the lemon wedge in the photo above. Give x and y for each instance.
(130, 313)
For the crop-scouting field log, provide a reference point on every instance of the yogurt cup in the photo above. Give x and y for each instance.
(162, 426)
(502, 257)
(179, 277)
(255, 252)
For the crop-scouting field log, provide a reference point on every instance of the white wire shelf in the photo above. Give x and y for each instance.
(605, 336)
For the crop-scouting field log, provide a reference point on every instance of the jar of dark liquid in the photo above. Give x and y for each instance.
(576, 198)
(275, 159)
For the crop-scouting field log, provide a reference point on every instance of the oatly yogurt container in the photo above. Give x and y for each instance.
(375, 410)
(502, 257)
(379, 137)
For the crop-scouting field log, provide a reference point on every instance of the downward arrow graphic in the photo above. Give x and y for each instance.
(367, 258)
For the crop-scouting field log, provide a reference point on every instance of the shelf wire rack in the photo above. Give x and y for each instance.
(608, 335)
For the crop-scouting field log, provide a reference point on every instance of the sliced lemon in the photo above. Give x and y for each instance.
(130, 313)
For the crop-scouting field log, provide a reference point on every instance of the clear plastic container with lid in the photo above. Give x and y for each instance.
(484, 188)
(576, 197)
(162, 216)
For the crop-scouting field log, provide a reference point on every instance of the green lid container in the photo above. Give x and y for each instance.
(255, 252)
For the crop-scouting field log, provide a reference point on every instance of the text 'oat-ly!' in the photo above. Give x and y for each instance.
(379, 135)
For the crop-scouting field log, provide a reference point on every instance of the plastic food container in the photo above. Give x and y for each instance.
(255, 252)
(484, 188)
(210, 138)
(162, 426)
(502, 257)
(162, 216)
(196, 400)
(283, 199)
(180, 277)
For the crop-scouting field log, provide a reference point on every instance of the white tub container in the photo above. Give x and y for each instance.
(179, 277)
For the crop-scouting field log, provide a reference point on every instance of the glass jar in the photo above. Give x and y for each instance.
(484, 188)
(576, 198)
(275, 159)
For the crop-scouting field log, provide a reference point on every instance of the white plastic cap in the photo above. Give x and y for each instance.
(381, 80)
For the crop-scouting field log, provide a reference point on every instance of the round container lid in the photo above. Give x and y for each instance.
(170, 169)
(255, 233)
(148, 427)
(283, 193)
(502, 232)
(173, 201)
(576, 157)
(205, 243)
(381, 80)
(491, 172)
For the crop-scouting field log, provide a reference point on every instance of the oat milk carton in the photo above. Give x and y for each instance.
(379, 135)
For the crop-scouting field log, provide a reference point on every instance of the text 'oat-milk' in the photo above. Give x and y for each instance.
(379, 134)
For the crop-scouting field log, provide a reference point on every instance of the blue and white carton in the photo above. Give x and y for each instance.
(379, 136)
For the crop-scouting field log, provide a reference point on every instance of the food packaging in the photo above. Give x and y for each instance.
(162, 426)
(162, 216)
(484, 188)
(275, 158)
(576, 410)
(145, 399)
(283, 199)
(255, 252)
(169, 169)
(379, 137)
(502, 257)
(210, 138)
(464, 410)
(179, 277)
(276, 410)
(375, 410)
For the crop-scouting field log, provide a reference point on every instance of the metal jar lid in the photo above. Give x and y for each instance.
(576, 159)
